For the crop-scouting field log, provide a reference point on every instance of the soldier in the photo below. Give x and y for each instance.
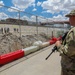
(2, 30)
(5, 30)
(67, 48)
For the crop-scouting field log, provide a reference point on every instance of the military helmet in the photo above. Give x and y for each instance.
(72, 13)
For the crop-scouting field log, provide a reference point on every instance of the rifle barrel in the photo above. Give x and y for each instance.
(48, 55)
(53, 50)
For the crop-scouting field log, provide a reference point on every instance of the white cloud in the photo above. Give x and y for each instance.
(33, 4)
(47, 11)
(42, 19)
(3, 15)
(25, 18)
(13, 9)
(55, 6)
(34, 9)
(1, 3)
(23, 4)
(39, 3)
(59, 18)
(33, 18)
(30, 18)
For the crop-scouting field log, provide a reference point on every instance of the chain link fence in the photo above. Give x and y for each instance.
(22, 23)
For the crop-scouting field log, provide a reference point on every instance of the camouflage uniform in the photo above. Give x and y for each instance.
(67, 52)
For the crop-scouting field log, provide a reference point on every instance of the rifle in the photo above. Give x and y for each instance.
(53, 50)
(55, 47)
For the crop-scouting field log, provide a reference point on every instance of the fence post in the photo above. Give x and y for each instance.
(19, 24)
(37, 24)
(47, 27)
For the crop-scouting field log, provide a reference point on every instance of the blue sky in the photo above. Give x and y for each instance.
(51, 9)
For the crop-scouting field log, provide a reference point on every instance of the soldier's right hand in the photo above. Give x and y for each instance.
(58, 43)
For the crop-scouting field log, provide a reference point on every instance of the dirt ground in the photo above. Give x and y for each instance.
(10, 42)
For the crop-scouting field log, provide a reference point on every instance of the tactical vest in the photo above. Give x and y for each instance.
(70, 42)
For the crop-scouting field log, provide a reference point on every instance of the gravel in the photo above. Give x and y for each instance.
(10, 42)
